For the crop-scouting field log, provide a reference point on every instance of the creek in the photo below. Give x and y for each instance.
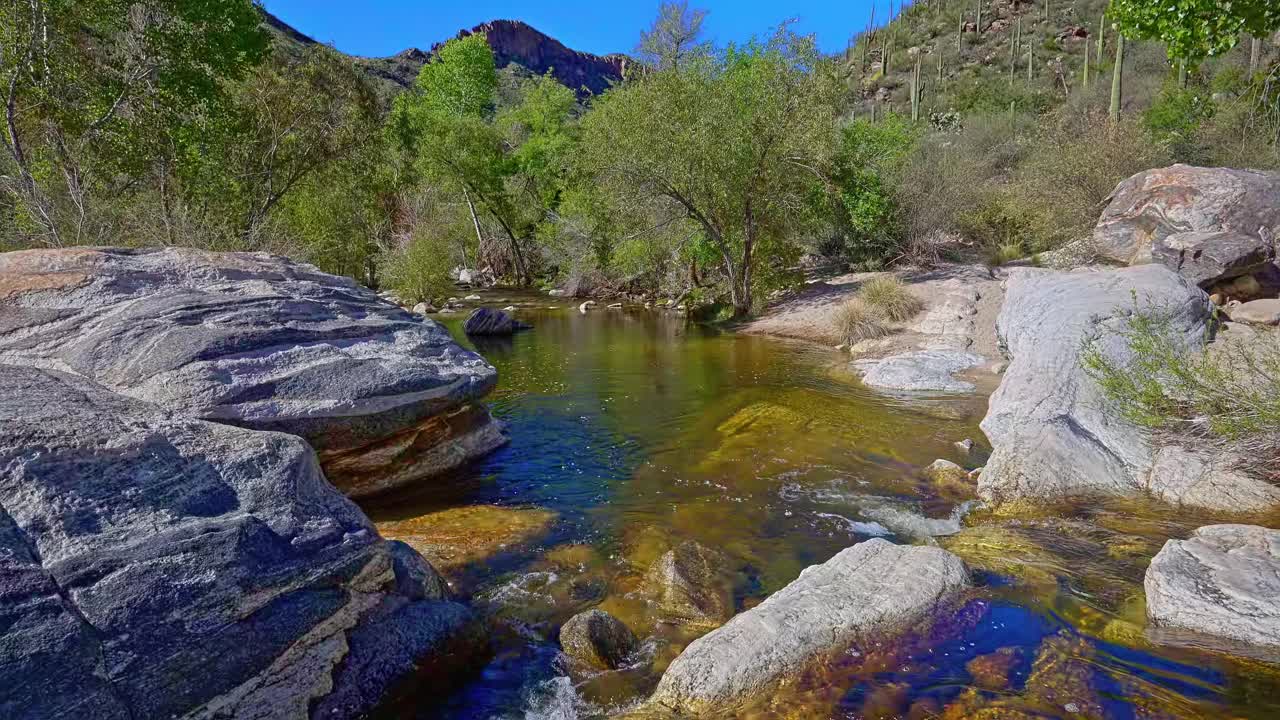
(633, 430)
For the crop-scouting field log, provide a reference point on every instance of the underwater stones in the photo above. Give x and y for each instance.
(872, 589)
(946, 471)
(597, 639)
(1223, 581)
(487, 321)
(154, 566)
(1053, 431)
(454, 538)
(920, 370)
(256, 341)
(992, 671)
(690, 585)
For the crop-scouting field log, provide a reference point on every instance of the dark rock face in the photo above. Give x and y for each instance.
(260, 342)
(1206, 258)
(1155, 204)
(597, 639)
(514, 42)
(487, 321)
(159, 566)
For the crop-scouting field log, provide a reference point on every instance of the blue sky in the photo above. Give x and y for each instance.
(385, 27)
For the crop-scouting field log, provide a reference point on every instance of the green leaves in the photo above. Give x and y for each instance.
(1195, 29)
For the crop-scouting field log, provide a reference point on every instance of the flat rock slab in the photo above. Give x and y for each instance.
(257, 341)
(157, 566)
(871, 589)
(1256, 312)
(1223, 581)
(921, 370)
(1155, 204)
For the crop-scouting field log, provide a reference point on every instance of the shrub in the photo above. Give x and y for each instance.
(420, 271)
(856, 321)
(1229, 397)
(891, 297)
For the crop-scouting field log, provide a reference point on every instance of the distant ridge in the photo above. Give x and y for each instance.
(513, 43)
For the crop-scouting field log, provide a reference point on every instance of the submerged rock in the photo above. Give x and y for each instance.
(1053, 430)
(157, 566)
(487, 321)
(690, 585)
(921, 370)
(456, 537)
(1155, 204)
(946, 471)
(869, 590)
(1223, 581)
(597, 639)
(258, 341)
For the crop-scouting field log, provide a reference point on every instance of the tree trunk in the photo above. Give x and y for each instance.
(1117, 82)
(1255, 56)
(475, 222)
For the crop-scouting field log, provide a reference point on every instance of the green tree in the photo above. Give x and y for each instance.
(735, 143)
(1195, 29)
(675, 38)
(92, 85)
(445, 126)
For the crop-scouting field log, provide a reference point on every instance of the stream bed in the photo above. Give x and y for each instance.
(633, 431)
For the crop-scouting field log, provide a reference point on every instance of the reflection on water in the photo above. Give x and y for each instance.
(639, 431)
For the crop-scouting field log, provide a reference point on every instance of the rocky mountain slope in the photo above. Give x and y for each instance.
(516, 46)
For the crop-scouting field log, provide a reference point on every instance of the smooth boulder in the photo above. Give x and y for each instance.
(249, 339)
(596, 639)
(1256, 312)
(158, 566)
(1155, 204)
(1223, 581)
(487, 321)
(871, 590)
(1053, 431)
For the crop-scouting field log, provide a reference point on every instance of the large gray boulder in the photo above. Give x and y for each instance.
(154, 566)
(1209, 257)
(1155, 204)
(249, 339)
(870, 590)
(1054, 433)
(1223, 581)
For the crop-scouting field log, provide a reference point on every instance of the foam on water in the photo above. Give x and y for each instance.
(554, 699)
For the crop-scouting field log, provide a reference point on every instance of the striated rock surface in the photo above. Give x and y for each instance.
(1049, 423)
(1222, 581)
(597, 639)
(920, 370)
(872, 589)
(1155, 204)
(249, 339)
(153, 565)
(1208, 257)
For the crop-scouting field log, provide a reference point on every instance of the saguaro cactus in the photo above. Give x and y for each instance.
(978, 28)
(1102, 38)
(915, 92)
(1084, 81)
(1117, 87)
(1031, 61)
(1255, 56)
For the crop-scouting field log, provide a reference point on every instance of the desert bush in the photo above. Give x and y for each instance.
(1229, 397)
(855, 321)
(420, 271)
(890, 296)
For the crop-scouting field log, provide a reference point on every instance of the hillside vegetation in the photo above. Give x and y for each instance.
(712, 175)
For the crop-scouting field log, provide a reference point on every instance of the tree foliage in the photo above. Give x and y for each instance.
(1196, 29)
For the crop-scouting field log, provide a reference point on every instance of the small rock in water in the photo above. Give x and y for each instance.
(424, 308)
(509, 308)
(690, 586)
(615, 306)
(586, 305)
(965, 446)
(597, 639)
(472, 298)
(486, 321)
(946, 471)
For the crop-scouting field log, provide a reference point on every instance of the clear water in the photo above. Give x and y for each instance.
(638, 429)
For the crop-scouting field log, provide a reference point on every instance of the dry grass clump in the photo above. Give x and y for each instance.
(855, 320)
(891, 298)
